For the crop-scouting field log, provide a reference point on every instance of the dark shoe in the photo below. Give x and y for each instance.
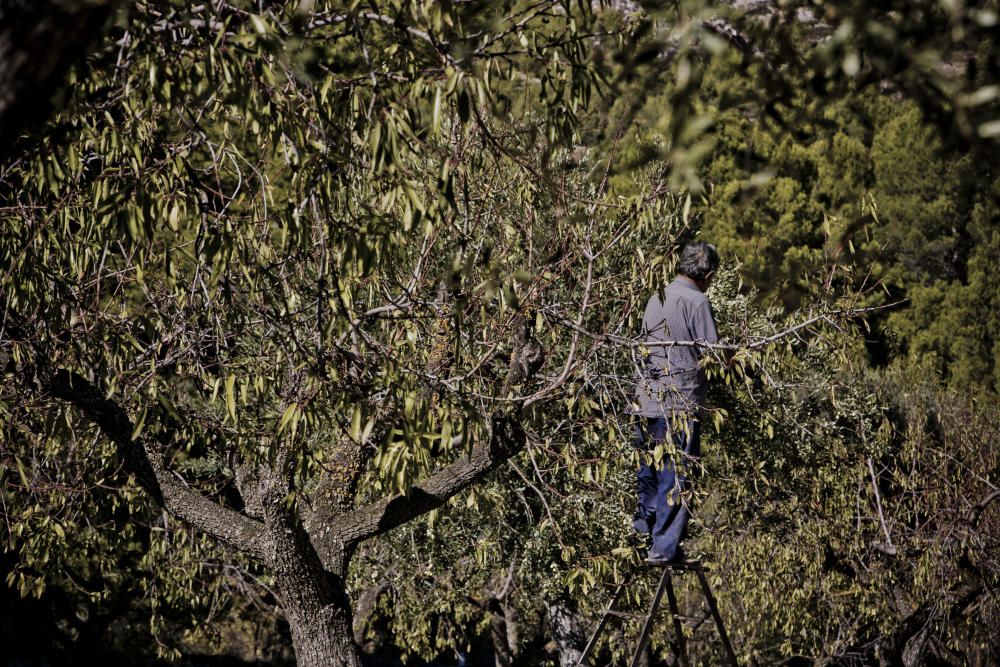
(652, 561)
(659, 561)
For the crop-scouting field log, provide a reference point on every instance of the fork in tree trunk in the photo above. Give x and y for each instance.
(665, 586)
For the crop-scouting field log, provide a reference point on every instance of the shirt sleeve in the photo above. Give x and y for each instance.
(704, 324)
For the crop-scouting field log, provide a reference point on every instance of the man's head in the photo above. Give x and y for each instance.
(699, 261)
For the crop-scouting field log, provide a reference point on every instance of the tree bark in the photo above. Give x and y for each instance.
(564, 625)
(318, 612)
(507, 438)
(314, 600)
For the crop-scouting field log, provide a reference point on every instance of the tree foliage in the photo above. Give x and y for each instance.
(283, 280)
(260, 256)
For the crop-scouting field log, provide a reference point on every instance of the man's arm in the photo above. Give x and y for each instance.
(704, 324)
(705, 330)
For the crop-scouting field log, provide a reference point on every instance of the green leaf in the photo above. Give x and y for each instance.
(22, 472)
(356, 424)
(139, 424)
(231, 396)
(290, 413)
(436, 115)
(259, 24)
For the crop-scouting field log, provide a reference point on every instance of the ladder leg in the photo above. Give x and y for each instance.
(713, 607)
(648, 625)
(675, 613)
(600, 624)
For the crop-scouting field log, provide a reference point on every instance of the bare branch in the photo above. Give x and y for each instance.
(754, 344)
(878, 504)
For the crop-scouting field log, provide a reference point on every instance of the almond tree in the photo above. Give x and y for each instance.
(275, 256)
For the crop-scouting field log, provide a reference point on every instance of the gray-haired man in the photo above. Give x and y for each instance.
(671, 389)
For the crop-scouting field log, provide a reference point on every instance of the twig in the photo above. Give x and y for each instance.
(756, 344)
(878, 504)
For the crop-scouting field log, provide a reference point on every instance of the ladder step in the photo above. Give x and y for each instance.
(683, 565)
(626, 615)
(632, 616)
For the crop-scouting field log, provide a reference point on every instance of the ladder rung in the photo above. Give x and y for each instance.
(625, 614)
(682, 566)
(631, 616)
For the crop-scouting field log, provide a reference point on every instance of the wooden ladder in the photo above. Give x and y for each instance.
(666, 585)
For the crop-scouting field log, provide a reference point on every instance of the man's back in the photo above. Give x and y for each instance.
(671, 388)
(672, 379)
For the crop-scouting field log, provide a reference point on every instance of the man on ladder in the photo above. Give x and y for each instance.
(677, 325)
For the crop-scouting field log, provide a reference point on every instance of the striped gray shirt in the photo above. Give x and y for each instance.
(672, 379)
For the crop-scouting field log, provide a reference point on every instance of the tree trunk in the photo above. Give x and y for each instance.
(319, 616)
(314, 600)
(564, 626)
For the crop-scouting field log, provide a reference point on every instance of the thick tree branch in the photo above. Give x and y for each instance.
(506, 439)
(141, 457)
(980, 507)
(143, 460)
(334, 527)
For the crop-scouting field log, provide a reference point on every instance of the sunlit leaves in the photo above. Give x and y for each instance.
(240, 230)
(315, 228)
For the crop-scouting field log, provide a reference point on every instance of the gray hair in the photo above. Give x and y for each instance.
(698, 260)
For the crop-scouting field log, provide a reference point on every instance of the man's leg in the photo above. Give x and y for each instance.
(648, 432)
(672, 511)
(645, 507)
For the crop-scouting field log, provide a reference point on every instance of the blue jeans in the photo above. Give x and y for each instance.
(660, 510)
